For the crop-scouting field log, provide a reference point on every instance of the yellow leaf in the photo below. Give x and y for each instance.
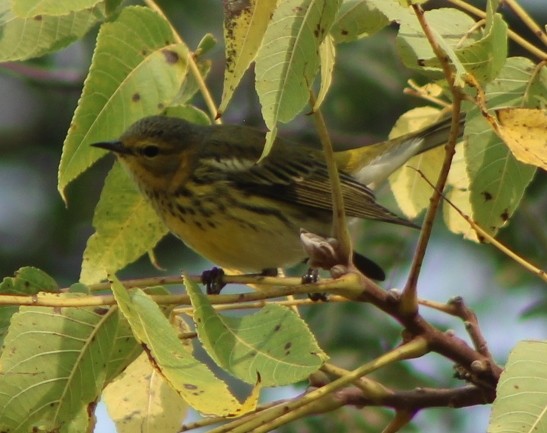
(244, 26)
(410, 190)
(142, 400)
(524, 130)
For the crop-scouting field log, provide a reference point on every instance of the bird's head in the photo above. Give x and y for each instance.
(157, 150)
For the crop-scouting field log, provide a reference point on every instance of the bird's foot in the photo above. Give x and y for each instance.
(213, 279)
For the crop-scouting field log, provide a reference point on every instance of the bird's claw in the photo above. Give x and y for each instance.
(213, 279)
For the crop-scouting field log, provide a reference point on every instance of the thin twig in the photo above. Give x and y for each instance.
(409, 298)
(472, 326)
(339, 222)
(207, 97)
(349, 282)
(532, 49)
(486, 237)
(527, 20)
(321, 399)
(401, 419)
(63, 78)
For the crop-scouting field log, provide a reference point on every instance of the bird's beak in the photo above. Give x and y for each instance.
(114, 146)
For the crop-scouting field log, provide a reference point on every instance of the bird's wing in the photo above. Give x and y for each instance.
(301, 178)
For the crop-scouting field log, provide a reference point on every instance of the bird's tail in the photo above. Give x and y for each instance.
(371, 164)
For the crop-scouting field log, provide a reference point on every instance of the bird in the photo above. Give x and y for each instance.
(207, 184)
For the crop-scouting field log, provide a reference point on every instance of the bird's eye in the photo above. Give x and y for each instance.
(150, 150)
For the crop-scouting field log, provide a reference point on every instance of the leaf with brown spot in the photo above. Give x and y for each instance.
(171, 56)
(274, 342)
(192, 379)
(245, 23)
(490, 165)
(141, 396)
(62, 357)
(524, 130)
(521, 393)
(132, 52)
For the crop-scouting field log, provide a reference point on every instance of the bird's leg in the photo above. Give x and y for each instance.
(213, 279)
(310, 277)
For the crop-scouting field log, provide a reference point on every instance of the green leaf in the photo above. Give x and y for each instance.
(190, 86)
(188, 112)
(327, 53)
(288, 61)
(126, 227)
(137, 70)
(485, 58)
(451, 28)
(360, 18)
(244, 28)
(497, 179)
(273, 345)
(142, 400)
(25, 38)
(56, 362)
(521, 402)
(32, 8)
(27, 281)
(474, 51)
(196, 384)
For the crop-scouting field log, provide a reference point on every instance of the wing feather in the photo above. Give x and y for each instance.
(302, 179)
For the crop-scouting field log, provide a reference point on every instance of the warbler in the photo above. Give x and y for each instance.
(207, 186)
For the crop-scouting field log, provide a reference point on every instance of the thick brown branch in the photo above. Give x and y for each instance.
(480, 367)
(419, 398)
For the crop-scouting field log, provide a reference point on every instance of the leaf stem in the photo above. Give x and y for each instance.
(409, 297)
(527, 19)
(339, 222)
(207, 97)
(488, 238)
(321, 399)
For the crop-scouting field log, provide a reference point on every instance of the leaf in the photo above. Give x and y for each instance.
(188, 112)
(524, 131)
(137, 70)
(126, 227)
(141, 400)
(274, 344)
(360, 18)
(26, 281)
(190, 86)
(458, 192)
(288, 61)
(244, 27)
(56, 362)
(25, 38)
(194, 382)
(484, 58)
(521, 402)
(451, 28)
(32, 8)
(481, 54)
(411, 191)
(327, 53)
(497, 179)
